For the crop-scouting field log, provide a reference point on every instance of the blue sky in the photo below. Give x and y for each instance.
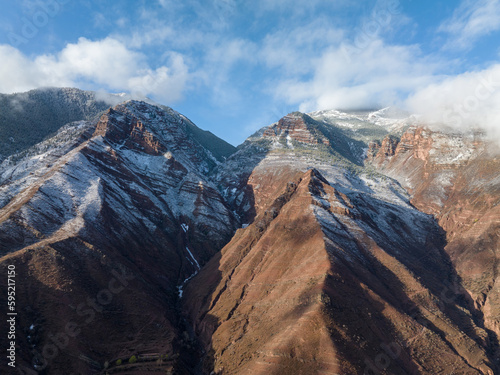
(233, 66)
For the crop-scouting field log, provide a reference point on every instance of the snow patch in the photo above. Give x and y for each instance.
(180, 288)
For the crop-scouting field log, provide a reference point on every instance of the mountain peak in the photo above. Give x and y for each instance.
(120, 127)
(299, 127)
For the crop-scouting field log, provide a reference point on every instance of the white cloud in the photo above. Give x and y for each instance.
(152, 35)
(472, 20)
(217, 70)
(347, 77)
(461, 102)
(298, 8)
(106, 63)
(321, 66)
(164, 83)
(100, 20)
(212, 15)
(294, 50)
(18, 73)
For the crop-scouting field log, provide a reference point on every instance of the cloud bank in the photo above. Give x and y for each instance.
(469, 100)
(106, 63)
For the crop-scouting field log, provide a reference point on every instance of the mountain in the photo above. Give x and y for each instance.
(28, 118)
(31, 117)
(332, 242)
(105, 223)
(338, 271)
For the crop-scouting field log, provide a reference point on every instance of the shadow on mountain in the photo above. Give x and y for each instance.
(83, 314)
(27, 118)
(233, 177)
(443, 306)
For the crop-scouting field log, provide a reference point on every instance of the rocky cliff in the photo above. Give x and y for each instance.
(455, 178)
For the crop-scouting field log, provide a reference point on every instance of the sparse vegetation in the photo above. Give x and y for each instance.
(219, 148)
(28, 118)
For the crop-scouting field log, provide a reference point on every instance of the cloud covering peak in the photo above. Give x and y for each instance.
(469, 100)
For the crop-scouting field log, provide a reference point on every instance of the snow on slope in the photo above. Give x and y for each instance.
(388, 118)
(20, 170)
(61, 186)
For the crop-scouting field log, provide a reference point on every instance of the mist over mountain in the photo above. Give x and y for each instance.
(464, 103)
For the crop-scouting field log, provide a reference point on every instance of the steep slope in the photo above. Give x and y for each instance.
(219, 148)
(455, 178)
(336, 272)
(104, 229)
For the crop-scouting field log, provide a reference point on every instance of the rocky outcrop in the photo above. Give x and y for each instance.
(379, 153)
(296, 127)
(103, 238)
(121, 128)
(455, 178)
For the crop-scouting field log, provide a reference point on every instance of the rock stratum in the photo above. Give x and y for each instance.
(327, 243)
(103, 228)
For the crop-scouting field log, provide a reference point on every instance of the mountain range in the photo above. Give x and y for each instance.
(332, 242)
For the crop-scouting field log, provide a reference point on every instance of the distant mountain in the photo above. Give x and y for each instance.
(28, 118)
(218, 147)
(332, 242)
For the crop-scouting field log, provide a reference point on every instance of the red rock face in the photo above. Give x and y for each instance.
(455, 178)
(389, 145)
(380, 153)
(471, 217)
(119, 127)
(295, 127)
(334, 280)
